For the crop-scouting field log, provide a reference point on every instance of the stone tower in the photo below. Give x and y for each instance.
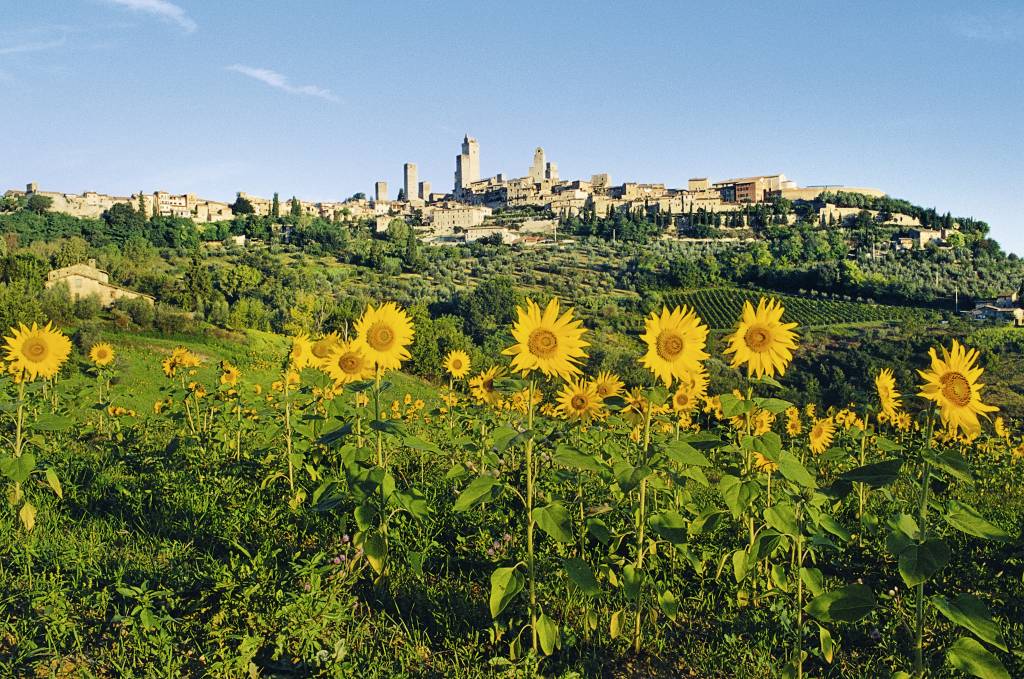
(467, 164)
(380, 191)
(411, 182)
(539, 165)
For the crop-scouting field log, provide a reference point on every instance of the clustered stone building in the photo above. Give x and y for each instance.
(471, 210)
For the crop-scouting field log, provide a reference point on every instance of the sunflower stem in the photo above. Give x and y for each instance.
(922, 516)
(530, 561)
(641, 526)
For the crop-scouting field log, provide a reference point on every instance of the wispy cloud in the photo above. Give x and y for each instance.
(163, 9)
(998, 28)
(31, 46)
(280, 82)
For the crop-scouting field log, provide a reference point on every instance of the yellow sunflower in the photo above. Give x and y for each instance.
(482, 386)
(903, 421)
(888, 397)
(229, 374)
(579, 400)
(763, 464)
(675, 343)
(821, 435)
(386, 331)
(301, 354)
(952, 383)
(37, 352)
(608, 384)
(637, 404)
(1000, 428)
(692, 390)
(794, 427)
(547, 341)
(322, 347)
(348, 362)
(762, 341)
(102, 354)
(457, 363)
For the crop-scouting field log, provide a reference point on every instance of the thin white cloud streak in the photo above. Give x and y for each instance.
(280, 82)
(32, 47)
(1002, 28)
(162, 9)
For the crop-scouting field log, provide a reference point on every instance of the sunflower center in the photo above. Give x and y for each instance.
(956, 388)
(602, 390)
(543, 343)
(35, 349)
(488, 385)
(579, 402)
(380, 337)
(456, 364)
(349, 363)
(757, 338)
(669, 345)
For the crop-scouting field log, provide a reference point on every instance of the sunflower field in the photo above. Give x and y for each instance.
(524, 518)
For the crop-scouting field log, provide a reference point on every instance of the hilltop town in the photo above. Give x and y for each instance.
(526, 209)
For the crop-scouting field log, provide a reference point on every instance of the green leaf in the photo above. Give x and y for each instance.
(599, 530)
(706, 522)
(414, 502)
(950, 462)
(417, 443)
(555, 521)
(782, 518)
(876, 474)
(681, 452)
(366, 515)
(740, 565)
(669, 604)
(568, 456)
(631, 582)
(826, 644)
(52, 422)
(967, 519)
(148, 620)
(629, 477)
(967, 655)
(772, 405)
(738, 494)
(387, 427)
(732, 406)
(336, 435)
(503, 436)
(793, 470)
(813, 580)
(54, 482)
(481, 489)
(887, 445)
(670, 525)
(702, 440)
(828, 522)
(970, 612)
(550, 636)
(18, 469)
(845, 604)
(582, 576)
(376, 550)
(506, 583)
(920, 561)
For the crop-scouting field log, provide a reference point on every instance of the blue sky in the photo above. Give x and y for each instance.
(321, 98)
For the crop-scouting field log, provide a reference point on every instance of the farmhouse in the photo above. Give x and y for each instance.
(84, 280)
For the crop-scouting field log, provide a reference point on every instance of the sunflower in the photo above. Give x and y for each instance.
(888, 397)
(794, 427)
(763, 421)
(229, 374)
(348, 362)
(762, 341)
(37, 352)
(675, 343)
(547, 341)
(693, 388)
(579, 400)
(457, 363)
(684, 400)
(608, 384)
(1000, 428)
(386, 331)
(903, 421)
(102, 354)
(821, 435)
(763, 464)
(637, 405)
(322, 347)
(482, 386)
(301, 354)
(952, 383)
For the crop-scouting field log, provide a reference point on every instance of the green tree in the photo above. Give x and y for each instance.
(296, 209)
(412, 249)
(242, 206)
(38, 204)
(275, 207)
